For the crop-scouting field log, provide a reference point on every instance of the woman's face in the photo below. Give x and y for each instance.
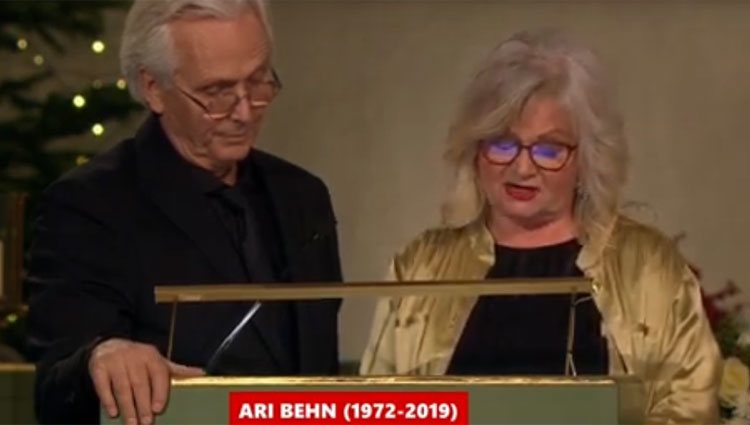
(529, 175)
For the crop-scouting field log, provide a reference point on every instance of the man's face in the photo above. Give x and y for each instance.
(216, 60)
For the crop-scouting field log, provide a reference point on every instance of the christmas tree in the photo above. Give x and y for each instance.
(39, 106)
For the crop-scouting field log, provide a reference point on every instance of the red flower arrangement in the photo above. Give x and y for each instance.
(724, 312)
(714, 303)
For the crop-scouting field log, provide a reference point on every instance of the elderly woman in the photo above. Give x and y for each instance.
(540, 161)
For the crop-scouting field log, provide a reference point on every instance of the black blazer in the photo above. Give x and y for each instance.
(130, 219)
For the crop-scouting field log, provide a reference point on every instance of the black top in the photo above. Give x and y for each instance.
(244, 210)
(245, 213)
(526, 335)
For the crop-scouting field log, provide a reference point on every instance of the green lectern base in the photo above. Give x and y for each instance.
(492, 400)
(16, 393)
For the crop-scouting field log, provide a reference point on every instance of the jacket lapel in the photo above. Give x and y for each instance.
(286, 210)
(600, 266)
(166, 177)
(473, 264)
(303, 229)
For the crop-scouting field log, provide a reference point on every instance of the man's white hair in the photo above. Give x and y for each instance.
(147, 42)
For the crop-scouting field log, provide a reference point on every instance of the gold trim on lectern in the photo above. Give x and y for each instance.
(17, 367)
(294, 381)
(312, 291)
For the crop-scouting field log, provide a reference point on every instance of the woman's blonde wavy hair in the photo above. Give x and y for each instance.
(528, 63)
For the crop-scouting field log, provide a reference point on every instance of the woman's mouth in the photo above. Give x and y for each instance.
(521, 192)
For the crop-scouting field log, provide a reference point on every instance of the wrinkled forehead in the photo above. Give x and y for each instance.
(224, 48)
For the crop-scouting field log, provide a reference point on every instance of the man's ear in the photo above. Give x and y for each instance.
(152, 92)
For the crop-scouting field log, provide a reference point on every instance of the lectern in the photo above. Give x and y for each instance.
(396, 399)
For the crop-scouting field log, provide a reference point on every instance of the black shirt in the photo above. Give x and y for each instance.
(247, 215)
(245, 212)
(526, 335)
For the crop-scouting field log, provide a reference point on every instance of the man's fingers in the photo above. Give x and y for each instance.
(179, 370)
(124, 394)
(139, 380)
(103, 387)
(133, 379)
(159, 375)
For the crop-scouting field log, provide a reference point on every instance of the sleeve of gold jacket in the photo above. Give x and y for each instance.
(685, 388)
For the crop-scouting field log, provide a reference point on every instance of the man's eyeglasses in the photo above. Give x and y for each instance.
(550, 156)
(259, 94)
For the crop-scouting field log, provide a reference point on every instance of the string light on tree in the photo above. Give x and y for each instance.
(40, 101)
(98, 46)
(79, 101)
(97, 129)
(121, 84)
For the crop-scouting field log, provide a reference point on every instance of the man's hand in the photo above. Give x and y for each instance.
(132, 379)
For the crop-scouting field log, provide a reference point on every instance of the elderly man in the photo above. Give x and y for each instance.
(188, 200)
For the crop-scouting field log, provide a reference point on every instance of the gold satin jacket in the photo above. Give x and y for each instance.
(649, 300)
